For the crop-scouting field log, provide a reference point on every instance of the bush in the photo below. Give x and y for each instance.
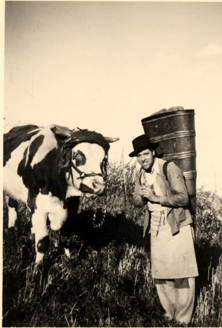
(117, 198)
(208, 218)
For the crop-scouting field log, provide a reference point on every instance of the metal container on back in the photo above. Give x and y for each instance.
(175, 130)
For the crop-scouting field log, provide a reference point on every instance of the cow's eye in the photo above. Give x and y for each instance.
(80, 158)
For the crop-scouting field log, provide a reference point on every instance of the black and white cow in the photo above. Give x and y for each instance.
(48, 168)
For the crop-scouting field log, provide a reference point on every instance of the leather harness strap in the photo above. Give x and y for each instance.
(82, 174)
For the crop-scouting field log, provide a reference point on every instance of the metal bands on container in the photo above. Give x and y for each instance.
(181, 155)
(190, 175)
(177, 134)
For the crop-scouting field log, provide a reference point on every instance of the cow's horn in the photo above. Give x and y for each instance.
(109, 140)
(61, 130)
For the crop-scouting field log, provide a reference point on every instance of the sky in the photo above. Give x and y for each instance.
(107, 65)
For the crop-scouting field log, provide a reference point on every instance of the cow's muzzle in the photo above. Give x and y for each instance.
(85, 189)
(96, 188)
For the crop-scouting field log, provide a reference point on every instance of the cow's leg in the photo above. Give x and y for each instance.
(11, 242)
(12, 212)
(39, 228)
(67, 227)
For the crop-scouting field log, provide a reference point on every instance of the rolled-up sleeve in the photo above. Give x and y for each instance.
(179, 195)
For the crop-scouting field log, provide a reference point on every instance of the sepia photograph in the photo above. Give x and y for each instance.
(112, 184)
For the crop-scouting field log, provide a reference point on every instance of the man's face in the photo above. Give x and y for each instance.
(146, 158)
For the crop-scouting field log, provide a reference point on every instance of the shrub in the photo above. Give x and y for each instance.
(208, 218)
(117, 198)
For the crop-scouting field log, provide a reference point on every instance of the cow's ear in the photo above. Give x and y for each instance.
(110, 140)
(61, 131)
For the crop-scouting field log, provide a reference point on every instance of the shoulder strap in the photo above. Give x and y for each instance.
(165, 168)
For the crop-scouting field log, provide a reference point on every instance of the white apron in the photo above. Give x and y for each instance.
(172, 257)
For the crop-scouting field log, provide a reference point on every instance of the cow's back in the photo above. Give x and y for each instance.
(15, 137)
(31, 156)
(16, 141)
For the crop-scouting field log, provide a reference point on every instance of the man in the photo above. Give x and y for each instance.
(173, 260)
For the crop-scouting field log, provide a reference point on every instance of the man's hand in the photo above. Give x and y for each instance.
(147, 193)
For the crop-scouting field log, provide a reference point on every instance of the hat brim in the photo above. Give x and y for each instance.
(151, 146)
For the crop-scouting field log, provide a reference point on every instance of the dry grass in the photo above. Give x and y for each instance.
(209, 306)
(107, 282)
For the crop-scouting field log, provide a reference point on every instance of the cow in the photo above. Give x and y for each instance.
(49, 168)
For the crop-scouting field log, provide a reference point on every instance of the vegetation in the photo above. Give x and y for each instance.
(107, 281)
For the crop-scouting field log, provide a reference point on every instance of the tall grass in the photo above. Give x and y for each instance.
(107, 281)
(209, 307)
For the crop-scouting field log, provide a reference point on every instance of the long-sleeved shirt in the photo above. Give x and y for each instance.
(175, 195)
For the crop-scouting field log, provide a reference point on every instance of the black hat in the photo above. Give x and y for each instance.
(140, 143)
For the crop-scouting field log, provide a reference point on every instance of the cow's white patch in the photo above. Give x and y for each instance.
(39, 227)
(94, 156)
(53, 207)
(12, 217)
(49, 143)
(13, 184)
(39, 257)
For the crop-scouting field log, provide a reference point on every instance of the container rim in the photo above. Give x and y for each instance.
(170, 113)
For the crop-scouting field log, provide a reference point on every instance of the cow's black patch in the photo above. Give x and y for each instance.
(43, 245)
(15, 137)
(21, 166)
(48, 177)
(68, 226)
(12, 203)
(44, 176)
(87, 136)
(25, 170)
(34, 147)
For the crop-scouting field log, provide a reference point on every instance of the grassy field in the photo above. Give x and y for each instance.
(107, 281)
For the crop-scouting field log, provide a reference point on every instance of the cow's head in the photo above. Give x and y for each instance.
(84, 159)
